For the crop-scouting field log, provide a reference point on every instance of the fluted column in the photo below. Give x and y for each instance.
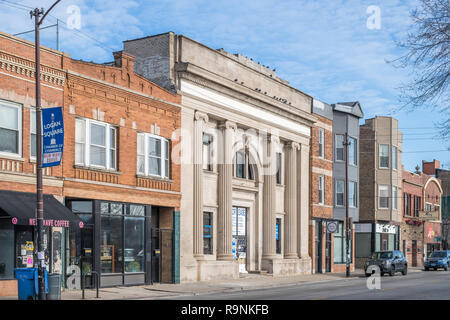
(199, 121)
(269, 245)
(224, 218)
(290, 201)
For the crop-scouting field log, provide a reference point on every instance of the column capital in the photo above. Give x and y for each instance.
(293, 145)
(228, 125)
(201, 116)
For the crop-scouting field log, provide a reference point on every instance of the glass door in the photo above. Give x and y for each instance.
(239, 237)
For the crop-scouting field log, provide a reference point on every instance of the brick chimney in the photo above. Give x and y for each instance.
(429, 168)
(124, 60)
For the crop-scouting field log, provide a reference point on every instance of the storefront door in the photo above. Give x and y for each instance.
(328, 252)
(239, 232)
(414, 253)
(318, 247)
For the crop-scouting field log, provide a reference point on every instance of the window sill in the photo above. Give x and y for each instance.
(96, 169)
(140, 176)
(11, 156)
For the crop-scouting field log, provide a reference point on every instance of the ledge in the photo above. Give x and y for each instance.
(97, 169)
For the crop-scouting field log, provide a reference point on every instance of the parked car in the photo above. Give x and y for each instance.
(388, 262)
(438, 259)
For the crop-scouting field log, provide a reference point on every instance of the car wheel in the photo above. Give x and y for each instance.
(382, 273)
(405, 271)
(368, 274)
(392, 272)
(446, 267)
(426, 268)
(435, 269)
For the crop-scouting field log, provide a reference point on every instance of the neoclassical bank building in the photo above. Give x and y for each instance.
(244, 154)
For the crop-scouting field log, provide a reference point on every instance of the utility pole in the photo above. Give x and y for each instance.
(347, 220)
(36, 13)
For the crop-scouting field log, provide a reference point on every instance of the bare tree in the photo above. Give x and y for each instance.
(428, 54)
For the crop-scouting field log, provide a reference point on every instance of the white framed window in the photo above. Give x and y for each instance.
(33, 134)
(10, 128)
(207, 152)
(153, 155)
(339, 194)
(353, 151)
(394, 198)
(339, 147)
(278, 175)
(321, 190)
(321, 142)
(95, 144)
(383, 197)
(383, 156)
(352, 195)
(394, 157)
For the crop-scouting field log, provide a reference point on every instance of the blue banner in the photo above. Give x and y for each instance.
(52, 137)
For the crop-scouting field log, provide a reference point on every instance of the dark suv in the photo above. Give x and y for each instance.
(388, 262)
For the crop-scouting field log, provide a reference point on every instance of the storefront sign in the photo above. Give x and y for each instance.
(363, 227)
(429, 215)
(51, 223)
(52, 136)
(386, 228)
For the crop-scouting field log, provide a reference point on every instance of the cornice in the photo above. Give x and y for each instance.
(212, 81)
(27, 68)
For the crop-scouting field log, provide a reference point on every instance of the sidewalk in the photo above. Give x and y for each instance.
(167, 291)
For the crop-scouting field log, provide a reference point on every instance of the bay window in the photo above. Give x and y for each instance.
(394, 158)
(339, 194)
(95, 144)
(339, 147)
(152, 155)
(10, 128)
(352, 194)
(394, 198)
(353, 151)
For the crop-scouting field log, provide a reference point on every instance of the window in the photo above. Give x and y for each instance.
(340, 245)
(153, 155)
(207, 233)
(383, 197)
(240, 164)
(321, 142)
(111, 246)
(321, 190)
(33, 134)
(10, 128)
(353, 151)
(339, 147)
(339, 195)
(134, 239)
(428, 207)
(417, 205)
(394, 157)
(244, 167)
(407, 205)
(394, 198)
(352, 194)
(95, 144)
(207, 148)
(278, 176)
(384, 156)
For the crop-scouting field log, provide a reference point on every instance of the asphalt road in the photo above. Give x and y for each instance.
(430, 285)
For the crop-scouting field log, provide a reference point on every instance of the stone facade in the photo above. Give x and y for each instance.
(240, 122)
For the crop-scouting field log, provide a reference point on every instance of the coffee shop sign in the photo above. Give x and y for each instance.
(386, 228)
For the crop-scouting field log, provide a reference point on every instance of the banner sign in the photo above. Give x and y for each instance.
(52, 136)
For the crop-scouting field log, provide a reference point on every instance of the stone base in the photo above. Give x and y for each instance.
(8, 288)
(217, 270)
(287, 267)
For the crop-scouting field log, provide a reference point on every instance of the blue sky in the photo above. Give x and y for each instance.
(323, 48)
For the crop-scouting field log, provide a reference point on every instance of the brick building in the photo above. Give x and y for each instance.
(116, 175)
(421, 227)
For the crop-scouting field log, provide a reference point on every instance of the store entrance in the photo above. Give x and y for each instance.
(162, 246)
(318, 246)
(239, 233)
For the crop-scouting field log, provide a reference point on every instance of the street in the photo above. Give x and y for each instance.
(432, 285)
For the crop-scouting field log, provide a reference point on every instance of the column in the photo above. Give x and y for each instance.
(269, 247)
(199, 121)
(290, 201)
(224, 218)
(303, 204)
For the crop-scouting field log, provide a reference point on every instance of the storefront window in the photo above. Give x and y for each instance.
(111, 235)
(363, 245)
(340, 246)
(134, 239)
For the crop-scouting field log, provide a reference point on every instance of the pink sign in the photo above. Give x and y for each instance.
(14, 220)
(51, 223)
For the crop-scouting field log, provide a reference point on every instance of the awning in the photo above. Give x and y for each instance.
(21, 207)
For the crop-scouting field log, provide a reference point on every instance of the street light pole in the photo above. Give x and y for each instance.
(36, 13)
